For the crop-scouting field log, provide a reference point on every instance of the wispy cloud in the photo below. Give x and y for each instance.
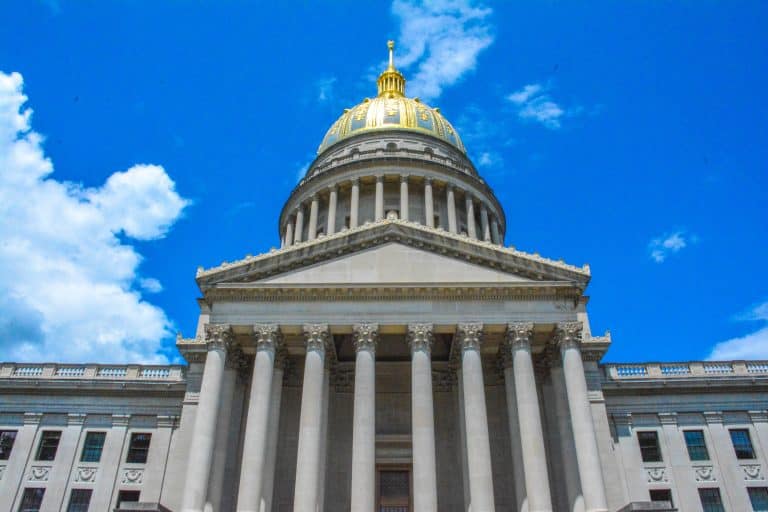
(489, 159)
(534, 103)
(325, 88)
(662, 247)
(150, 285)
(751, 346)
(442, 39)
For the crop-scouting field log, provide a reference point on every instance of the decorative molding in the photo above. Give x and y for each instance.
(568, 335)
(420, 337)
(704, 473)
(469, 335)
(758, 416)
(316, 336)
(132, 476)
(86, 474)
(218, 336)
(656, 475)
(519, 335)
(668, 418)
(365, 336)
(752, 472)
(39, 473)
(268, 336)
(713, 417)
(32, 418)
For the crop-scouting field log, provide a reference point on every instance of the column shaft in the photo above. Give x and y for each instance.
(423, 420)
(289, 233)
(449, 197)
(220, 454)
(404, 197)
(257, 422)
(484, 224)
(429, 206)
(268, 489)
(587, 454)
(379, 198)
(333, 198)
(495, 234)
(314, 205)
(204, 432)
(516, 446)
(364, 420)
(354, 203)
(471, 225)
(299, 225)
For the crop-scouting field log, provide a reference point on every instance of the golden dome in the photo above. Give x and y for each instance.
(391, 110)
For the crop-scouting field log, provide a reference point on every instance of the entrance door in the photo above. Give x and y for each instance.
(394, 490)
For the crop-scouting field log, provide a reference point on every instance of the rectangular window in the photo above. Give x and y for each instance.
(49, 443)
(662, 496)
(7, 438)
(710, 500)
(394, 491)
(128, 497)
(139, 448)
(32, 499)
(649, 446)
(697, 446)
(742, 443)
(92, 447)
(79, 500)
(759, 498)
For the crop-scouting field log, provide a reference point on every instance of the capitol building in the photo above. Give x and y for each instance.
(391, 356)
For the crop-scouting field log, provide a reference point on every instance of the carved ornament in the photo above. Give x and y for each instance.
(316, 336)
(568, 334)
(519, 335)
(420, 337)
(218, 336)
(469, 335)
(365, 336)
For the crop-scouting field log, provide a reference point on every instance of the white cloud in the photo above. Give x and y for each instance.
(751, 346)
(69, 288)
(442, 39)
(489, 159)
(660, 248)
(534, 104)
(150, 285)
(325, 88)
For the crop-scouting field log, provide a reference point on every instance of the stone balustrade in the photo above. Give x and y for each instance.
(632, 371)
(54, 371)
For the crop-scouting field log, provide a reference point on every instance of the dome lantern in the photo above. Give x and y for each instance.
(391, 82)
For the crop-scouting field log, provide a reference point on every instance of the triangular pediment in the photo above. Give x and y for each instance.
(393, 252)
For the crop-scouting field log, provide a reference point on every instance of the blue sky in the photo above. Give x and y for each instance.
(628, 135)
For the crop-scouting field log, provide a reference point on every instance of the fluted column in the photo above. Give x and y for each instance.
(484, 224)
(469, 336)
(423, 419)
(364, 419)
(297, 234)
(268, 489)
(288, 233)
(379, 197)
(354, 203)
(495, 234)
(314, 205)
(471, 225)
(529, 417)
(333, 198)
(429, 204)
(404, 197)
(268, 339)
(451, 201)
(219, 339)
(568, 337)
(515, 441)
(310, 424)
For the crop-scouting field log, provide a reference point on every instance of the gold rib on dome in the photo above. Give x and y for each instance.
(391, 110)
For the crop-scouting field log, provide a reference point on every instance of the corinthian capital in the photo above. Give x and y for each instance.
(218, 336)
(519, 335)
(469, 335)
(420, 337)
(316, 336)
(568, 334)
(365, 336)
(268, 336)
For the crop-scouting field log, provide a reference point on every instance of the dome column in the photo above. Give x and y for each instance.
(354, 203)
(288, 241)
(484, 224)
(495, 236)
(471, 226)
(429, 206)
(379, 197)
(333, 198)
(404, 197)
(299, 224)
(313, 217)
(451, 200)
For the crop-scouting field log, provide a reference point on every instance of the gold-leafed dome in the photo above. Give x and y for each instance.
(391, 110)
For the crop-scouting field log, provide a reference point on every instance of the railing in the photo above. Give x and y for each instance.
(52, 371)
(686, 369)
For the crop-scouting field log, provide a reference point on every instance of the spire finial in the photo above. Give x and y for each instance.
(391, 46)
(391, 82)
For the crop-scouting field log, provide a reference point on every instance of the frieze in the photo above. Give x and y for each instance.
(656, 475)
(132, 476)
(752, 472)
(86, 474)
(704, 473)
(39, 473)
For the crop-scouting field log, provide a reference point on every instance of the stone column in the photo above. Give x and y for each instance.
(518, 342)
(354, 203)
(305, 497)
(268, 339)
(268, 488)
(218, 338)
(449, 198)
(516, 446)
(567, 446)
(288, 233)
(314, 205)
(495, 234)
(469, 337)
(423, 419)
(471, 225)
(587, 456)
(404, 197)
(299, 224)
(364, 419)
(484, 224)
(379, 197)
(333, 198)
(429, 204)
